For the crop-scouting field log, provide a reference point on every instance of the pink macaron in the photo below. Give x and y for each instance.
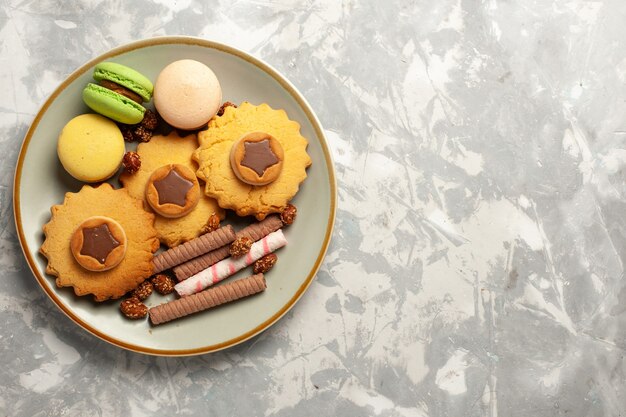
(187, 94)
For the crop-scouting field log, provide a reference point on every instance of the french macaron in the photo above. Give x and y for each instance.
(91, 147)
(119, 93)
(187, 94)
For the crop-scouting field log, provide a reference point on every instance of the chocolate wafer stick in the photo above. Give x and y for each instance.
(193, 248)
(255, 231)
(192, 267)
(207, 299)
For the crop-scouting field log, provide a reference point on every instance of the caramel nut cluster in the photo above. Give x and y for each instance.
(143, 291)
(240, 246)
(264, 264)
(163, 284)
(288, 214)
(133, 308)
(131, 162)
(211, 225)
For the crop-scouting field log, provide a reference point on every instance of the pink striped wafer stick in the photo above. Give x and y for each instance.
(255, 231)
(229, 266)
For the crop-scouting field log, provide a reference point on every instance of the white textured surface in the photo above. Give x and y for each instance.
(477, 262)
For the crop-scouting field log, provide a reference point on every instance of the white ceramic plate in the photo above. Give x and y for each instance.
(41, 182)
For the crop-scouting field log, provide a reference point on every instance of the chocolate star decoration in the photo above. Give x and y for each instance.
(173, 189)
(258, 156)
(98, 242)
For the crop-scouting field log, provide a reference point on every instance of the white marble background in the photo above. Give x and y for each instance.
(477, 263)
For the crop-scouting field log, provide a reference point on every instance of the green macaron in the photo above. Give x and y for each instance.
(119, 94)
(113, 105)
(124, 76)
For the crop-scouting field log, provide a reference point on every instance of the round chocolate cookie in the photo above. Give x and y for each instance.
(98, 243)
(172, 190)
(257, 158)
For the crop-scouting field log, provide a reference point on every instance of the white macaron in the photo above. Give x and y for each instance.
(187, 94)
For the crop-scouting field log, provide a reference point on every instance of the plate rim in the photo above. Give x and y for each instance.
(193, 41)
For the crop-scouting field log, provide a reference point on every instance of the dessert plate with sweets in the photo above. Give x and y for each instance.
(175, 196)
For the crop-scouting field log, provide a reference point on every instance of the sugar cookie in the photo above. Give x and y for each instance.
(215, 169)
(164, 150)
(104, 201)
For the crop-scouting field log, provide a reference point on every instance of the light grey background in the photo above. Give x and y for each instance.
(477, 262)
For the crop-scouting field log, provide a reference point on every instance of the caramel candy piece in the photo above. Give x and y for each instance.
(98, 243)
(173, 190)
(207, 299)
(257, 158)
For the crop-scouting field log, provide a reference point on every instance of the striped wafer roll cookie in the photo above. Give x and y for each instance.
(207, 299)
(193, 248)
(254, 232)
(229, 266)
